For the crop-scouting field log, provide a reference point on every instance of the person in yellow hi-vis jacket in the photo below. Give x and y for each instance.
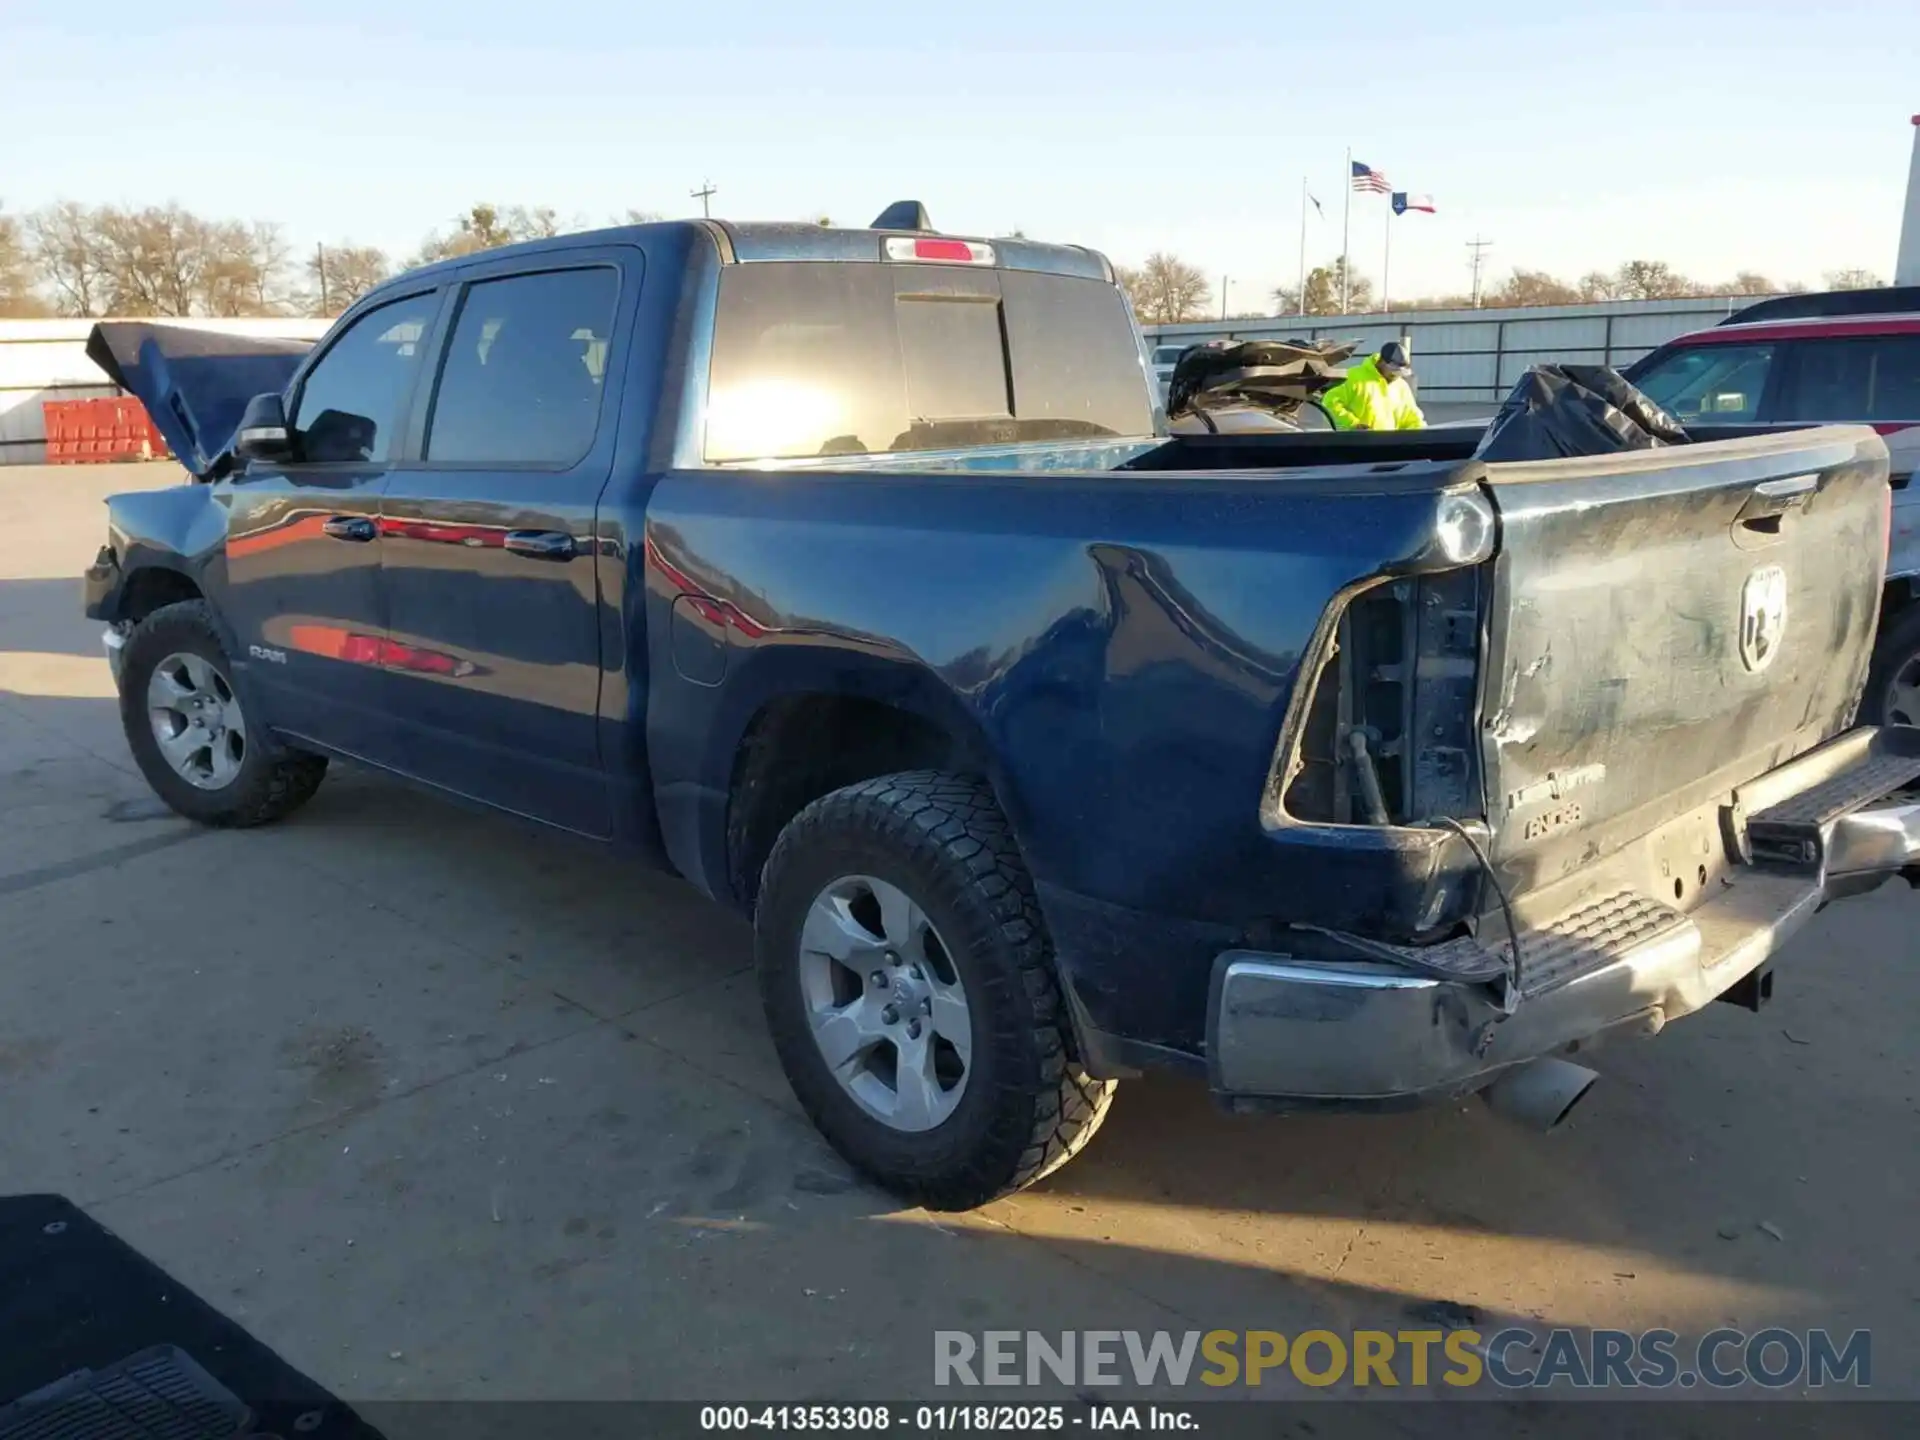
(1375, 394)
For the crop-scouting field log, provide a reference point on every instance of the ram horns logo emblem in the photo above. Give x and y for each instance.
(1763, 616)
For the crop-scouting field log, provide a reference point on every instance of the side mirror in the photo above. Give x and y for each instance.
(263, 433)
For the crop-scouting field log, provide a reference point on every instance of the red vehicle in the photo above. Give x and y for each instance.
(1808, 365)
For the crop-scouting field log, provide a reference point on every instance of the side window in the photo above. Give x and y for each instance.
(1710, 384)
(1873, 377)
(523, 375)
(350, 401)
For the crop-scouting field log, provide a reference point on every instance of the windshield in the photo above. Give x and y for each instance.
(814, 359)
(1713, 384)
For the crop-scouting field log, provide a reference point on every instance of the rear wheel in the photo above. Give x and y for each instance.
(910, 990)
(191, 735)
(1893, 683)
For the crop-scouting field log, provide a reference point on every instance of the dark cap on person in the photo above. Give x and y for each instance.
(1393, 359)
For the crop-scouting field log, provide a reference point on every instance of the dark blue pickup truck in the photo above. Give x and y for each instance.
(851, 575)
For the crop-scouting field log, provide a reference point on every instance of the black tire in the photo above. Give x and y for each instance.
(270, 782)
(1028, 1107)
(1896, 652)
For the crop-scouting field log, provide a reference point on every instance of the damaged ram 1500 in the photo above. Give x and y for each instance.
(852, 576)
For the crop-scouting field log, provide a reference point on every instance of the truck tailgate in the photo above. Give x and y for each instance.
(1667, 624)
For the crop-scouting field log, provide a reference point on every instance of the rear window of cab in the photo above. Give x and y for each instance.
(824, 358)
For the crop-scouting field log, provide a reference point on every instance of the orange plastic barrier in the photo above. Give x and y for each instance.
(91, 432)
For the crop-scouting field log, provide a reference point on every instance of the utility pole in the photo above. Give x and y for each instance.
(1303, 245)
(705, 193)
(1479, 247)
(320, 269)
(1223, 297)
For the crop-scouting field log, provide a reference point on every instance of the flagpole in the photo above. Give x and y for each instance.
(1303, 245)
(1346, 235)
(1386, 260)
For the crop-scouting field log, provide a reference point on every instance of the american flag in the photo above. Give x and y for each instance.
(1365, 177)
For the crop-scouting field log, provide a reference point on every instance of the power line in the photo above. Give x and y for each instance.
(705, 193)
(1479, 247)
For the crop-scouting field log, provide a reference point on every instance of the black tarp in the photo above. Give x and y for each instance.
(1561, 410)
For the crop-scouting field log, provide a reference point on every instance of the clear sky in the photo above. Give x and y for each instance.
(1715, 135)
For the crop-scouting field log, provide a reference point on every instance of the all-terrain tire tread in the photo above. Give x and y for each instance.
(281, 785)
(955, 822)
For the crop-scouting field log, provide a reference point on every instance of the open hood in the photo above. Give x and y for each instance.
(194, 383)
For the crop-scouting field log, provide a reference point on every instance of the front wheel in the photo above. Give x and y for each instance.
(190, 735)
(909, 986)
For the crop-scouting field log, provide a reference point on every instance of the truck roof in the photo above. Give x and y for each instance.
(755, 241)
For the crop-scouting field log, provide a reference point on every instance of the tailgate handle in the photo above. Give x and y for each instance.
(1773, 500)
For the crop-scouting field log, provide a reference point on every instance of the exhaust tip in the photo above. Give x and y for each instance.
(1539, 1094)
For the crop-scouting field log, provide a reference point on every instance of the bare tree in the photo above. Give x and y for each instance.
(1599, 285)
(67, 254)
(1323, 292)
(17, 295)
(1652, 280)
(246, 269)
(486, 226)
(1166, 290)
(1853, 278)
(1533, 287)
(1752, 282)
(341, 274)
(153, 260)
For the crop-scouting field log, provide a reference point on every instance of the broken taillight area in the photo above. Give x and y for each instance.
(1389, 734)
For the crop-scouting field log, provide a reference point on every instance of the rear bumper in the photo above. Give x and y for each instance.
(1820, 828)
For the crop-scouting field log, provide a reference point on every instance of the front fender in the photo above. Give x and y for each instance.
(181, 529)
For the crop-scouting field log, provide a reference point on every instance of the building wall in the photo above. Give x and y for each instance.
(43, 360)
(1475, 357)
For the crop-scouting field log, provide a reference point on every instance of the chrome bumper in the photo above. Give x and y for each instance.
(1818, 829)
(113, 640)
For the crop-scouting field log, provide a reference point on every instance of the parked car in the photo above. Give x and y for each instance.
(1820, 370)
(1165, 357)
(844, 573)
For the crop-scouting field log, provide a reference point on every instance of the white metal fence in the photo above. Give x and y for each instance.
(1477, 356)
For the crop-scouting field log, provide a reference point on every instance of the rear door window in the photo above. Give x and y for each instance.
(1866, 378)
(522, 380)
(813, 359)
(1710, 384)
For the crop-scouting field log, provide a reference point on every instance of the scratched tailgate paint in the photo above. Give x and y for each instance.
(1666, 628)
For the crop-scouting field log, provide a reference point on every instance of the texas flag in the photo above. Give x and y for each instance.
(1403, 202)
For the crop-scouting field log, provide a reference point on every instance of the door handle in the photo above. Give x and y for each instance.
(349, 527)
(540, 544)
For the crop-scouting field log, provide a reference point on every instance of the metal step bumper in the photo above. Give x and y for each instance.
(1830, 824)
